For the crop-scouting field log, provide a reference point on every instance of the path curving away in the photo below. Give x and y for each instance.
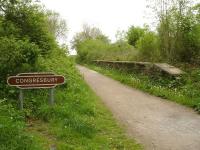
(156, 123)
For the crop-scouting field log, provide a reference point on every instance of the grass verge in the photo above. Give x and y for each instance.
(78, 121)
(183, 91)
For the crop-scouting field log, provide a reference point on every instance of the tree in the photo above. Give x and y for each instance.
(17, 56)
(148, 47)
(88, 33)
(177, 30)
(134, 34)
(5, 4)
(57, 26)
(24, 37)
(31, 22)
(120, 36)
(196, 10)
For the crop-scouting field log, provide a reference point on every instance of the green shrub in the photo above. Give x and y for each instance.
(134, 34)
(32, 23)
(90, 49)
(17, 56)
(98, 50)
(179, 32)
(148, 47)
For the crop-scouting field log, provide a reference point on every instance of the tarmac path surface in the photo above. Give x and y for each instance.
(156, 123)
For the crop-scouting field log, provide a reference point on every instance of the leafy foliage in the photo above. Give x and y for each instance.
(57, 26)
(148, 47)
(134, 34)
(17, 56)
(25, 40)
(176, 39)
(92, 46)
(88, 33)
(179, 32)
(32, 24)
(98, 50)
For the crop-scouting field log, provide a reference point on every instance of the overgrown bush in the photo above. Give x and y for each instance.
(97, 50)
(148, 47)
(91, 44)
(25, 37)
(134, 34)
(25, 41)
(17, 56)
(31, 22)
(91, 49)
(178, 31)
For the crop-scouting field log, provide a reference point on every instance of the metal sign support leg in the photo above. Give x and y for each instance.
(21, 97)
(51, 96)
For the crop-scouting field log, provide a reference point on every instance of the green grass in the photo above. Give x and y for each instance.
(183, 90)
(78, 121)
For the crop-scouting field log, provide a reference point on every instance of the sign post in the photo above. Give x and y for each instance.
(51, 96)
(36, 81)
(21, 98)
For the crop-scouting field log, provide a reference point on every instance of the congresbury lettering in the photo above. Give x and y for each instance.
(36, 80)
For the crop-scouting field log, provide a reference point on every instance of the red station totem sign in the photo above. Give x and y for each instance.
(35, 80)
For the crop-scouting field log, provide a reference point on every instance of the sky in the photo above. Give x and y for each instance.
(108, 15)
